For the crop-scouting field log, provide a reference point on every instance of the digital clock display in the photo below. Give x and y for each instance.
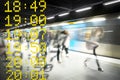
(17, 6)
(14, 18)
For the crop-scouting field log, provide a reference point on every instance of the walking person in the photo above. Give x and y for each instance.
(93, 44)
(63, 44)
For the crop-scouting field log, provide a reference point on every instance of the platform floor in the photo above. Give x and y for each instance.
(73, 68)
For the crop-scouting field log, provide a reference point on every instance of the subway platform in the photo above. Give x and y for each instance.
(72, 67)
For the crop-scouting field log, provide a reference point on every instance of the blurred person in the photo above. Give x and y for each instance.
(42, 38)
(63, 44)
(66, 42)
(20, 36)
(47, 38)
(93, 44)
(24, 36)
(27, 39)
(2, 47)
(40, 35)
(54, 42)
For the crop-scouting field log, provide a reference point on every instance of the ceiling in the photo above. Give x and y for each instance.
(55, 7)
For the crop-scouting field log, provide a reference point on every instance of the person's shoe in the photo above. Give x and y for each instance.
(100, 69)
(67, 55)
(59, 61)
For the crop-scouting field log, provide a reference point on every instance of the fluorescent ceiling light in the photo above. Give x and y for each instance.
(58, 24)
(79, 22)
(97, 19)
(112, 2)
(83, 9)
(118, 17)
(49, 18)
(109, 31)
(64, 14)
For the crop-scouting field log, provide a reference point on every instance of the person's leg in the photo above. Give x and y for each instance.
(58, 53)
(85, 62)
(61, 50)
(66, 50)
(63, 47)
(97, 61)
(3, 56)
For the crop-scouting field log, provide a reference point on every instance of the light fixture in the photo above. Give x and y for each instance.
(77, 22)
(83, 9)
(64, 14)
(96, 19)
(109, 31)
(49, 18)
(118, 17)
(58, 24)
(111, 2)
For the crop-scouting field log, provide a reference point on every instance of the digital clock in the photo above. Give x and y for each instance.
(14, 67)
(34, 20)
(17, 7)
